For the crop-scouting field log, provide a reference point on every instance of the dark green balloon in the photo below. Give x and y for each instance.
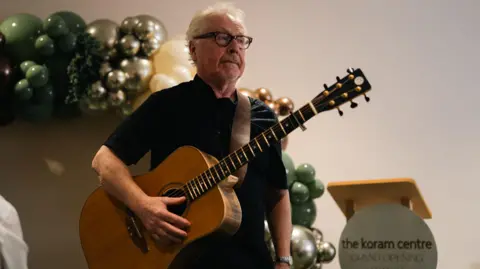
(299, 193)
(45, 45)
(55, 26)
(304, 214)
(305, 173)
(24, 66)
(316, 189)
(75, 23)
(23, 91)
(37, 76)
(21, 32)
(44, 94)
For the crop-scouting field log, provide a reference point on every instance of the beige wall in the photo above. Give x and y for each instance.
(423, 122)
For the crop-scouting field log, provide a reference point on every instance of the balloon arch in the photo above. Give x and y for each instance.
(63, 67)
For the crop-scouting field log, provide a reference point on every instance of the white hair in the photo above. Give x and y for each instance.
(198, 22)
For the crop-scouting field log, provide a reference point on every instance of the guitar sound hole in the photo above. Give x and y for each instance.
(177, 209)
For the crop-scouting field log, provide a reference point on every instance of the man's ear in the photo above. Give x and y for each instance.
(192, 49)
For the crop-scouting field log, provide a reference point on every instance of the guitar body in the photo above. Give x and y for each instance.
(110, 239)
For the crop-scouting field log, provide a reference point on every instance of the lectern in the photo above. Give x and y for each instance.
(351, 196)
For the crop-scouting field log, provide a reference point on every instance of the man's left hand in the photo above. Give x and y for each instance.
(282, 265)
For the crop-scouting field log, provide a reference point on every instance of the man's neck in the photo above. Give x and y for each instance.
(222, 89)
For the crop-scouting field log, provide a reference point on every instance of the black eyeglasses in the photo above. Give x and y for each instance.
(224, 39)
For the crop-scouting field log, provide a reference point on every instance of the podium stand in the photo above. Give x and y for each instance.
(352, 196)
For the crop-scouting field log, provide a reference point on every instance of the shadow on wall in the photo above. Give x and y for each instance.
(46, 174)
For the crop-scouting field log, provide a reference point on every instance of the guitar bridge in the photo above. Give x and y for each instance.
(135, 233)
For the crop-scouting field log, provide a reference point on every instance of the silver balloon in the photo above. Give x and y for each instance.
(138, 72)
(150, 27)
(317, 266)
(106, 32)
(105, 68)
(128, 24)
(326, 252)
(96, 91)
(150, 46)
(304, 249)
(117, 98)
(93, 107)
(115, 79)
(129, 45)
(318, 235)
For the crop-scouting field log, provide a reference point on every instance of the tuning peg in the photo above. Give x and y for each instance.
(353, 104)
(350, 70)
(338, 79)
(325, 86)
(340, 112)
(366, 98)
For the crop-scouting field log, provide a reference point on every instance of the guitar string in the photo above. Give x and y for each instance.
(183, 192)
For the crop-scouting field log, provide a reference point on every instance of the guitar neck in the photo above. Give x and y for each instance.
(240, 157)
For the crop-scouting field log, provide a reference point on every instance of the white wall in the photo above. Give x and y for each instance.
(421, 58)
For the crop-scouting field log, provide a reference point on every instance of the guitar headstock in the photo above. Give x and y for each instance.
(344, 90)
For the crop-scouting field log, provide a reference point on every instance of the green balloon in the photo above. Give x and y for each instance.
(44, 94)
(21, 31)
(37, 76)
(316, 189)
(55, 26)
(305, 173)
(45, 45)
(289, 167)
(304, 214)
(23, 91)
(75, 23)
(67, 42)
(24, 66)
(299, 193)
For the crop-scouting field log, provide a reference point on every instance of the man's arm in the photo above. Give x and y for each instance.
(279, 220)
(116, 178)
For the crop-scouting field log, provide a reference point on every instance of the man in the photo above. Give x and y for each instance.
(13, 249)
(200, 113)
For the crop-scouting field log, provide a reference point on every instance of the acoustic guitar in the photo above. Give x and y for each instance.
(112, 237)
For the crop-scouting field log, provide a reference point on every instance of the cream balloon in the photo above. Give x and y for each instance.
(180, 73)
(171, 53)
(161, 81)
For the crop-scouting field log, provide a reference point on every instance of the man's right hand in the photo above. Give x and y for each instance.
(164, 225)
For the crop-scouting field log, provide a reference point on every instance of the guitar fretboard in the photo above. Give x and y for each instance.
(231, 163)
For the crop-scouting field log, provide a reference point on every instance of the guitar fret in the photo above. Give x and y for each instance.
(258, 144)
(281, 126)
(213, 178)
(221, 169)
(231, 160)
(313, 108)
(239, 161)
(215, 170)
(194, 188)
(189, 191)
(246, 158)
(276, 138)
(200, 185)
(263, 134)
(251, 150)
(208, 180)
(228, 168)
(301, 115)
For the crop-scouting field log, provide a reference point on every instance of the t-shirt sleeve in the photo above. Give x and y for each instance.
(133, 138)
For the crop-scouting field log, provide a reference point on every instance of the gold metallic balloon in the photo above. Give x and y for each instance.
(270, 104)
(106, 32)
(117, 98)
(283, 106)
(129, 45)
(96, 91)
(263, 94)
(150, 27)
(150, 46)
(246, 92)
(138, 72)
(105, 68)
(128, 24)
(115, 79)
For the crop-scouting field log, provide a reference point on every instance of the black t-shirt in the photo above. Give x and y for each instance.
(190, 114)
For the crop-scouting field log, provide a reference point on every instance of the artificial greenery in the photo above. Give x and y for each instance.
(84, 68)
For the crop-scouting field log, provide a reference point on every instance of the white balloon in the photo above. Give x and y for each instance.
(180, 73)
(171, 53)
(161, 81)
